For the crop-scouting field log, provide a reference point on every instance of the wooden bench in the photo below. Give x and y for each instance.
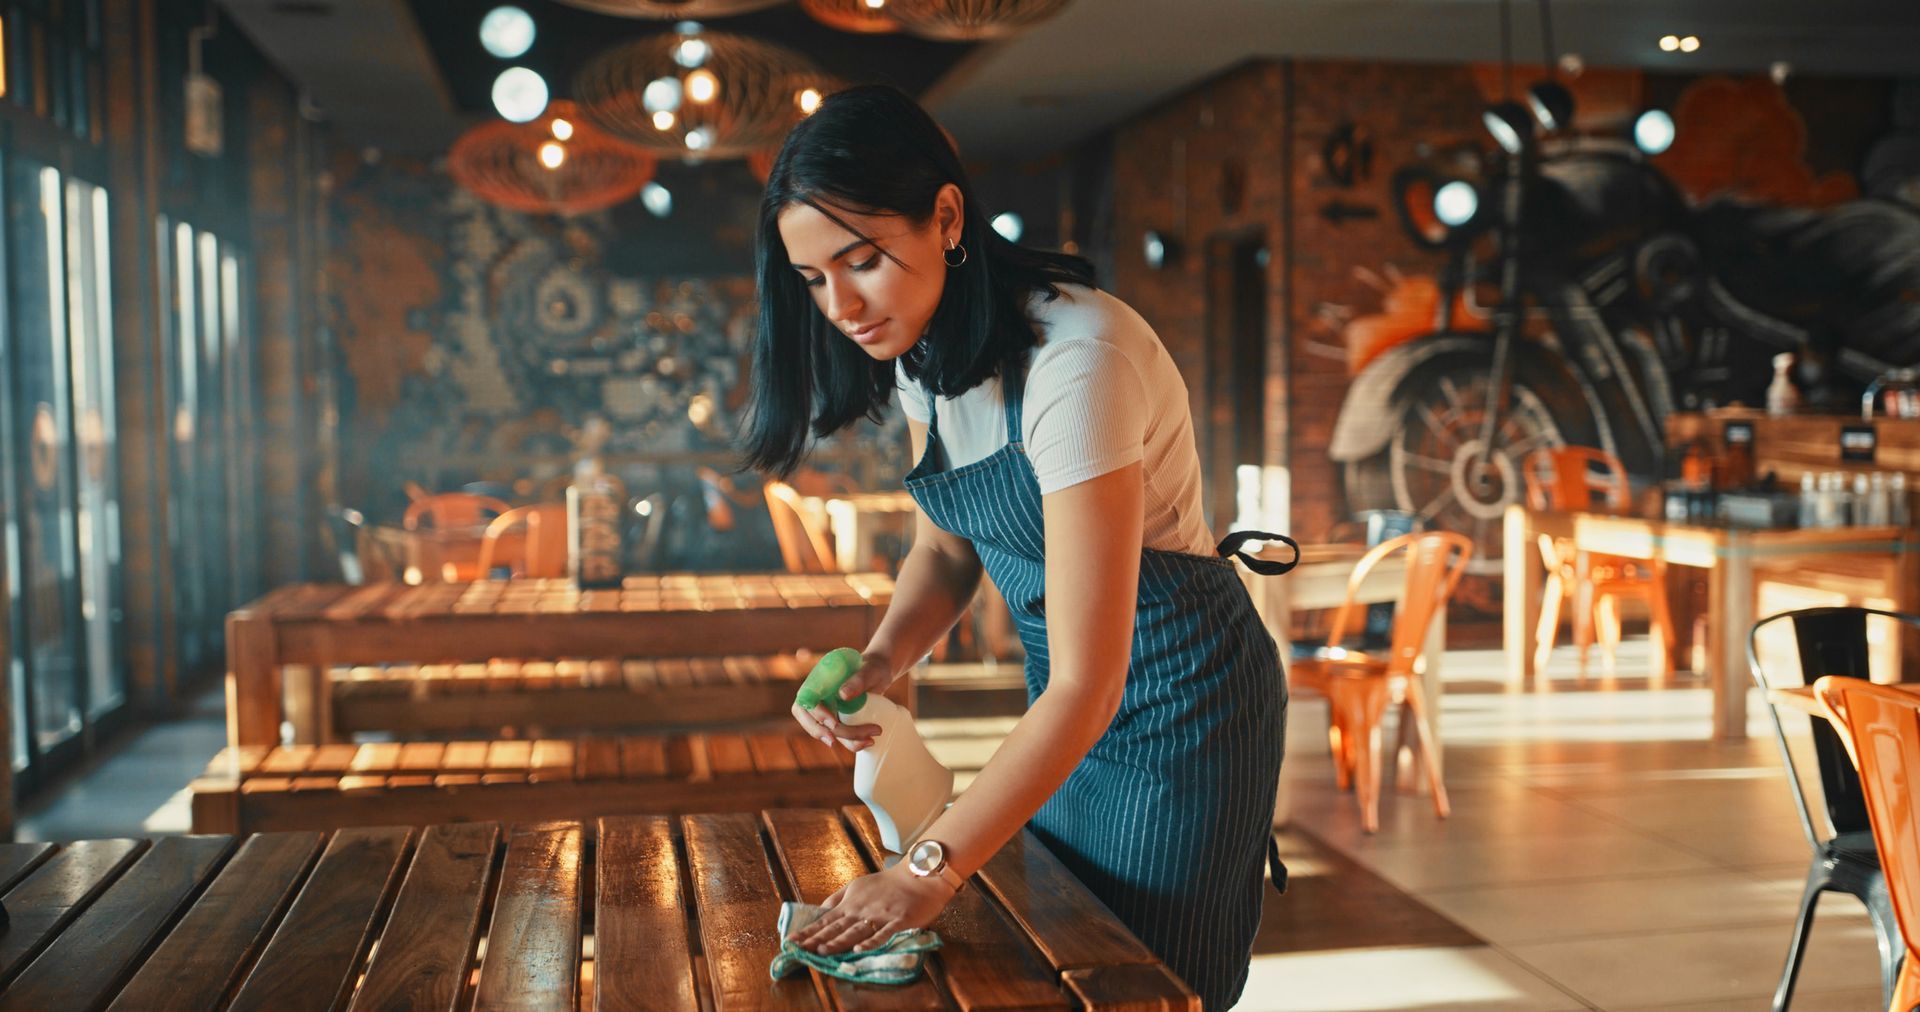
(247, 790)
(281, 648)
(641, 912)
(689, 692)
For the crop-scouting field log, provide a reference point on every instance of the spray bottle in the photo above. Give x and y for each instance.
(902, 783)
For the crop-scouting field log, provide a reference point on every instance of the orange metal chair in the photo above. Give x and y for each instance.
(804, 545)
(1359, 686)
(452, 509)
(542, 552)
(1881, 727)
(1588, 479)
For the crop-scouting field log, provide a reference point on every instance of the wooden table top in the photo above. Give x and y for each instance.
(651, 594)
(1684, 543)
(895, 501)
(635, 912)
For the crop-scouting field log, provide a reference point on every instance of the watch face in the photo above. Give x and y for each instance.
(926, 857)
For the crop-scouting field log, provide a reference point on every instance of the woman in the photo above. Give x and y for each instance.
(1054, 450)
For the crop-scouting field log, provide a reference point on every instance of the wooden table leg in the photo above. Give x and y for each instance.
(1906, 639)
(253, 685)
(1730, 616)
(309, 702)
(1520, 597)
(843, 522)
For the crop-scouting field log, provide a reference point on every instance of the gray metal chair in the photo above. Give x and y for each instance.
(1833, 641)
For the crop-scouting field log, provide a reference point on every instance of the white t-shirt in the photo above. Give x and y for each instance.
(1101, 393)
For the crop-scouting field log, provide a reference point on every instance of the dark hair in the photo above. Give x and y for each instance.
(873, 150)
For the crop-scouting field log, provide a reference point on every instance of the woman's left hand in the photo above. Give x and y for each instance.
(871, 909)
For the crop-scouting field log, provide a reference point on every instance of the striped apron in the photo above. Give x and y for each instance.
(1169, 817)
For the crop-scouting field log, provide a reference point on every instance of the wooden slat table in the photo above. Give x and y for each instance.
(1732, 557)
(638, 912)
(420, 783)
(615, 694)
(308, 628)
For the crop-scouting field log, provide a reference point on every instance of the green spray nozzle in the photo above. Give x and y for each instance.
(822, 684)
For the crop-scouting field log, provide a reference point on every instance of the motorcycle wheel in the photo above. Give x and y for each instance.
(1432, 465)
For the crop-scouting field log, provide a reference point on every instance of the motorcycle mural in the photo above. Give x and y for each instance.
(1585, 297)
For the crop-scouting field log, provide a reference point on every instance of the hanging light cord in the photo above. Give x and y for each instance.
(1547, 52)
(1506, 49)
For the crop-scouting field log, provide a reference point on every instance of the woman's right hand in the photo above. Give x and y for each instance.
(876, 674)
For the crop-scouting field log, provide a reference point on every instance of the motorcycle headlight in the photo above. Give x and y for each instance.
(1456, 203)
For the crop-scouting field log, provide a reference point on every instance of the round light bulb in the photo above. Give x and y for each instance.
(519, 94)
(1669, 43)
(658, 199)
(700, 138)
(874, 5)
(553, 154)
(1154, 249)
(1689, 43)
(1456, 203)
(1653, 131)
(702, 86)
(692, 52)
(562, 130)
(506, 32)
(1009, 225)
(809, 100)
(662, 94)
(663, 120)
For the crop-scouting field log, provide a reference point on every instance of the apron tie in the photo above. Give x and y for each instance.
(1230, 546)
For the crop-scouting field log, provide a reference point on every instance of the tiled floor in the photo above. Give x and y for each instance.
(1600, 845)
(1608, 854)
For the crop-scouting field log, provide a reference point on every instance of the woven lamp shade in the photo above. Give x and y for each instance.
(669, 10)
(500, 162)
(851, 16)
(972, 19)
(756, 102)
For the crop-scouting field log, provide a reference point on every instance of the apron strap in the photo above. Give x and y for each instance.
(1230, 546)
(1276, 867)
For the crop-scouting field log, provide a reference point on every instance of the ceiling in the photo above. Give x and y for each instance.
(416, 75)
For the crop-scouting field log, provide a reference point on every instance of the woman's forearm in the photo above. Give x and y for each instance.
(1030, 764)
(931, 592)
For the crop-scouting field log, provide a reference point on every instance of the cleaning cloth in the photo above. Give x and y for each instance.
(899, 961)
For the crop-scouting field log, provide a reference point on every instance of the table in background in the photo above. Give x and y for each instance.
(1734, 559)
(1320, 581)
(307, 628)
(856, 522)
(556, 915)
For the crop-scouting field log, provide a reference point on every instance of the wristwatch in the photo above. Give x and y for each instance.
(928, 859)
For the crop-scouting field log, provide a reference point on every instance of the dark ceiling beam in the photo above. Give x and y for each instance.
(364, 63)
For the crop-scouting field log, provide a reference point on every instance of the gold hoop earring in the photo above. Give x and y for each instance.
(948, 255)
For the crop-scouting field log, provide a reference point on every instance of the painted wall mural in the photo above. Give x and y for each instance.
(1650, 284)
(480, 345)
(1781, 216)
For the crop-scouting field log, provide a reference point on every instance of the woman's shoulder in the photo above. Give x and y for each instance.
(1079, 313)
